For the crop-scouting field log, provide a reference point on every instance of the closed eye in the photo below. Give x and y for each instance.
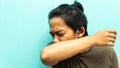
(60, 34)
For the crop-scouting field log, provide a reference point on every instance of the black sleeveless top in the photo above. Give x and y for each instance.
(96, 57)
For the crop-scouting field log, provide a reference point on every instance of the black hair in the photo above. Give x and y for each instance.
(73, 15)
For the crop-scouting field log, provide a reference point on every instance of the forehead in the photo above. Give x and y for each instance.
(57, 21)
(58, 24)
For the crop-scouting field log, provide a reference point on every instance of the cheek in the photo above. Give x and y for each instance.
(72, 36)
(68, 37)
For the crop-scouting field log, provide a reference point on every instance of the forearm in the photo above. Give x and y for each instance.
(65, 49)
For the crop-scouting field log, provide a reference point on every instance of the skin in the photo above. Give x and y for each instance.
(68, 43)
(60, 31)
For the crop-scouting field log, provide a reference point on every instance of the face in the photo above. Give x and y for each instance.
(60, 31)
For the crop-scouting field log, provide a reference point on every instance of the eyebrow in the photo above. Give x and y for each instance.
(57, 31)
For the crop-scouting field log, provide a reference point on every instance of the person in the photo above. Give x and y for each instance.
(72, 47)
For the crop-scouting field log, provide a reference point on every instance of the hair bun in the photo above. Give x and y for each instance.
(78, 5)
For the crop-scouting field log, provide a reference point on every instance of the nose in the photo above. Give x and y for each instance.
(56, 39)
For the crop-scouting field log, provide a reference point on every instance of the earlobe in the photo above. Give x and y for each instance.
(80, 32)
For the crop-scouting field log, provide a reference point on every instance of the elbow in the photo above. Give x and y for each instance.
(46, 59)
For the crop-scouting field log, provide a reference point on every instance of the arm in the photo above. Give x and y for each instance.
(56, 52)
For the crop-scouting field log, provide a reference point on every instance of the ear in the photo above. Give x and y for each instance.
(80, 32)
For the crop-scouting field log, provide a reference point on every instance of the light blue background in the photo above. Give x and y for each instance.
(24, 29)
